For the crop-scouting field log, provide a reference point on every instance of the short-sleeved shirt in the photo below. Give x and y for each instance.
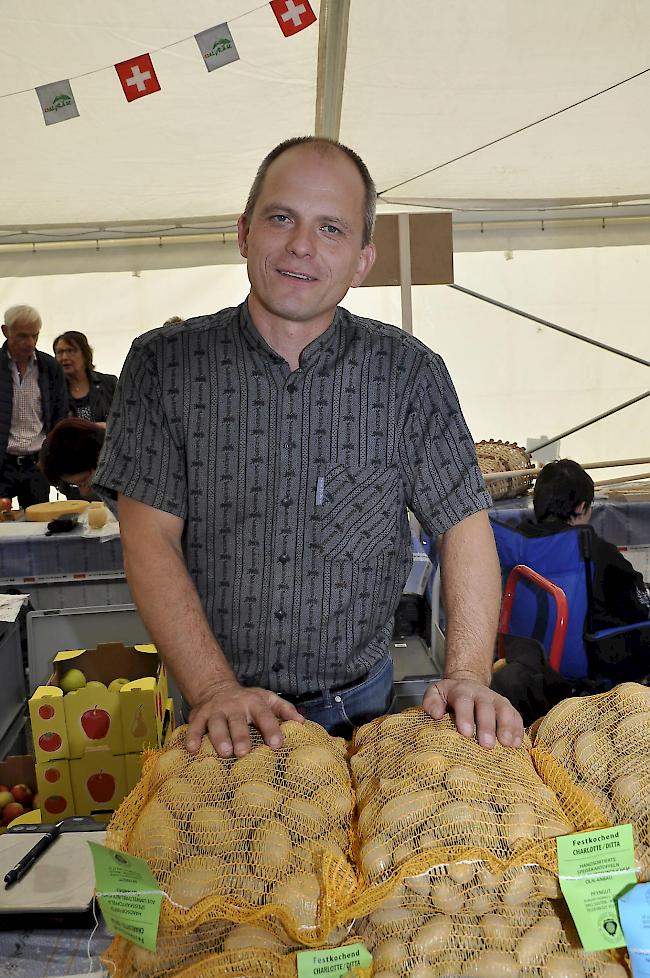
(293, 485)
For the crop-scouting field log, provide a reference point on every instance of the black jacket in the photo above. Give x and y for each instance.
(54, 394)
(100, 396)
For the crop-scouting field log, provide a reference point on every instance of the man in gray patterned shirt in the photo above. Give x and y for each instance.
(264, 459)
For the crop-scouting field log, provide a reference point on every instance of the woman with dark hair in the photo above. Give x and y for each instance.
(69, 457)
(90, 392)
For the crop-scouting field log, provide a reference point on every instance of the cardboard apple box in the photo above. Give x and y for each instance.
(98, 781)
(55, 790)
(125, 720)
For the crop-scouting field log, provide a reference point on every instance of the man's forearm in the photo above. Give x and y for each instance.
(171, 610)
(471, 590)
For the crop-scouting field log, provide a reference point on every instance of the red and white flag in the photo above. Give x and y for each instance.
(293, 15)
(138, 77)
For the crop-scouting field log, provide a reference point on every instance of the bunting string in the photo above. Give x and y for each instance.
(137, 75)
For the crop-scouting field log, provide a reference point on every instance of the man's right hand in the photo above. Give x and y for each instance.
(227, 710)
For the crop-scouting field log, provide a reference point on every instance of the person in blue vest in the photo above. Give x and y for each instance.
(33, 397)
(564, 496)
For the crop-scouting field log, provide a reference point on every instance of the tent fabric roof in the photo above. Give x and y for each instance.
(426, 83)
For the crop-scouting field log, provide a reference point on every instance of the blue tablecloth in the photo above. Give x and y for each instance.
(60, 559)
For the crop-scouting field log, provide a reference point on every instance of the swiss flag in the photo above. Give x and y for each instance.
(138, 77)
(293, 15)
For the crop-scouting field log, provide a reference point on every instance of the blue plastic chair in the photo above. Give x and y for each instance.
(564, 559)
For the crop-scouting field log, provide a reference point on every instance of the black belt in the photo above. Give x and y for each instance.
(304, 698)
(22, 461)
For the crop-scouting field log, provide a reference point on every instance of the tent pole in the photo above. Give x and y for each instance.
(545, 322)
(332, 54)
(404, 240)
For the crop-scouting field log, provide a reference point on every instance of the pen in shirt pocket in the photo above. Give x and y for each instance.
(320, 490)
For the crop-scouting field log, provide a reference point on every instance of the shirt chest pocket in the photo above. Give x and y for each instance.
(358, 511)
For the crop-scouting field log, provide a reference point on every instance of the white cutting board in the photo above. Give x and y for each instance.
(62, 880)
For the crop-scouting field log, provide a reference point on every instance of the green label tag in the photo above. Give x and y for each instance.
(595, 868)
(335, 962)
(128, 895)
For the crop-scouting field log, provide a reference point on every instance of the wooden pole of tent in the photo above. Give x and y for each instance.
(500, 476)
(622, 478)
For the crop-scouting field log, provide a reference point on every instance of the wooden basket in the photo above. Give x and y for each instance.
(505, 456)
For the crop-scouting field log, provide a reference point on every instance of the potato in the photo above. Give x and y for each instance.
(207, 773)
(591, 756)
(425, 765)
(535, 943)
(520, 822)
(154, 836)
(169, 762)
(197, 877)
(462, 872)
(492, 964)
(406, 810)
(390, 953)
(259, 765)
(255, 798)
(271, 849)
(432, 936)
(252, 936)
(563, 966)
(496, 928)
(299, 895)
(309, 764)
(464, 782)
(179, 796)
(376, 858)
(211, 828)
(517, 889)
(630, 794)
(445, 895)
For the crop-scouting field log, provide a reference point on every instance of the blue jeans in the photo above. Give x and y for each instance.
(339, 711)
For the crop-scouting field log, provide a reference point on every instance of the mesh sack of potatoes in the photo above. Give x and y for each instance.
(410, 938)
(217, 949)
(426, 796)
(259, 837)
(593, 753)
(504, 456)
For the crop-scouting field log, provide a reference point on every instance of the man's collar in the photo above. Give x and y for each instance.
(32, 359)
(310, 353)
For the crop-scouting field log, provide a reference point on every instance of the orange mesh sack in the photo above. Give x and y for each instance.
(593, 753)
(213, 949)
(428, 797)
(409, 939)
(265, 837)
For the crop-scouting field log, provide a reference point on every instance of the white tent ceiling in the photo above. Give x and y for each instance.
(415, 85)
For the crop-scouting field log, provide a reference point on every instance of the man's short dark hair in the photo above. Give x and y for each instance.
(324, 145)
(559, 490)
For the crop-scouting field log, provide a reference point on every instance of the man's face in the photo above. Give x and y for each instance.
(22, 338)
(303, 243)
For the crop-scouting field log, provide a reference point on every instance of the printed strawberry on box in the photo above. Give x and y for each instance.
(126, 718)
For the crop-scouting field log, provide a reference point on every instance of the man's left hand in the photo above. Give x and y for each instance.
(477, 709)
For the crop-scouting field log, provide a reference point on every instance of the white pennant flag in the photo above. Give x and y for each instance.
(57, 102)
(217, 47)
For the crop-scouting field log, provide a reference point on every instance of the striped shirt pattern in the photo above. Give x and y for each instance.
(293, 486)
(26, 434)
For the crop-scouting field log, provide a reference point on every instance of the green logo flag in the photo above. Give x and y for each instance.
(217, 47)
(595, 868)
(128, 895)
(335, 962)
(57, 102)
